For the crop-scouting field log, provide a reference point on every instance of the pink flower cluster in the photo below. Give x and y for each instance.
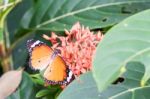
(77, 48)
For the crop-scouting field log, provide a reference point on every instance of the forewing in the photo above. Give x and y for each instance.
(40, 57)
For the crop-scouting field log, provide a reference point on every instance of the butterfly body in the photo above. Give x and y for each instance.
(47, 60)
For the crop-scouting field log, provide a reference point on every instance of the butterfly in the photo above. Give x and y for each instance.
(49, 62)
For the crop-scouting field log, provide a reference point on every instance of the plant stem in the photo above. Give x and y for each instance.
(6, 62)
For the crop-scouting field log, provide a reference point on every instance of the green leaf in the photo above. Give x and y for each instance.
(48, 93)
(83, 87)
(15, 16)
(38, 79)
(13, 23)
(57, 15)
(26, 90)
(125, 42)
(42, 93)
(130, 88)
(1, 35)
(21, 50)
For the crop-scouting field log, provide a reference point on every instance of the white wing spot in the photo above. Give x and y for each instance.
(35, 43)
(70, 76)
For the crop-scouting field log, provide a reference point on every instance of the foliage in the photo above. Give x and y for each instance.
(30, 23)
(128, 41)
(84, 87)
(123, 52)
(26, 89)
(129, 88)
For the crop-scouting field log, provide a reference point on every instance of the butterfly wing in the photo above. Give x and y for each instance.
(43, 58)
(40, 55)
(56, 72)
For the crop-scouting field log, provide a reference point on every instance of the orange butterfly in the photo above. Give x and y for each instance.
(48, 61)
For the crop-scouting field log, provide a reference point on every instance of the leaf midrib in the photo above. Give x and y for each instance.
(82, 10)
(57, 18)
(135, 55)
(129, 90)
(123, 64)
